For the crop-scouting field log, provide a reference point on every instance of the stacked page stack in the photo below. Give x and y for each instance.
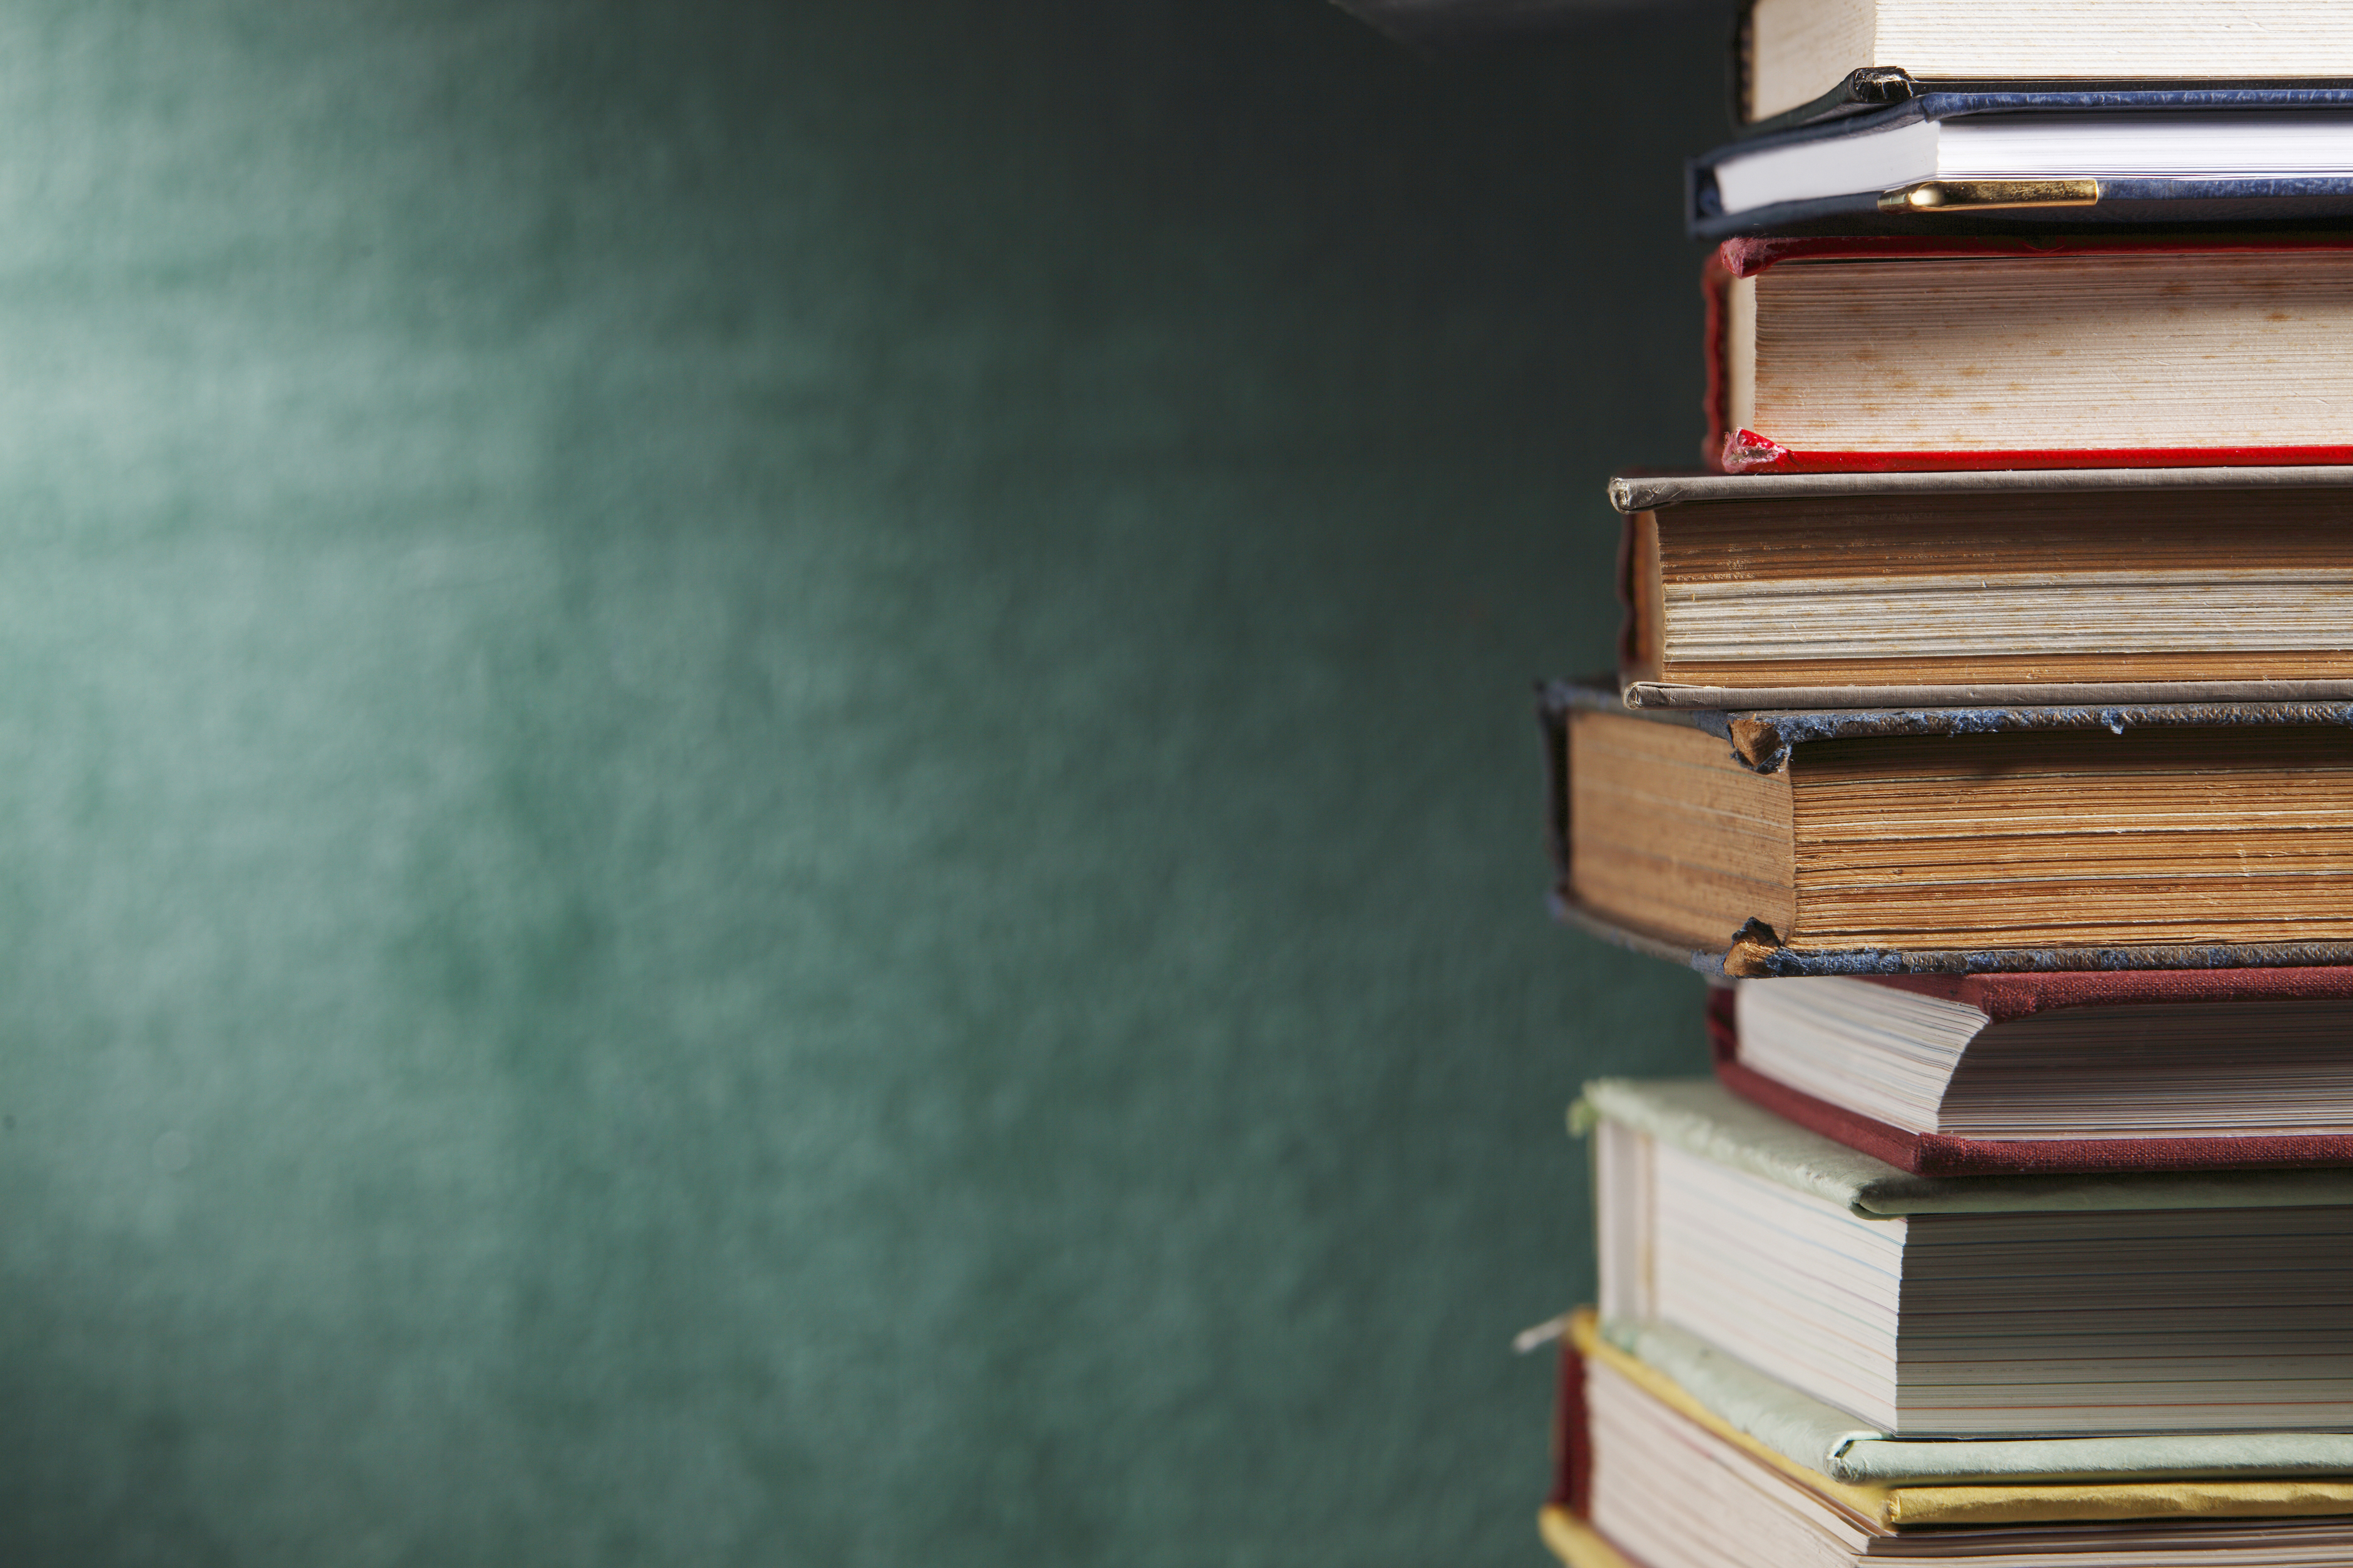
(1983, 730)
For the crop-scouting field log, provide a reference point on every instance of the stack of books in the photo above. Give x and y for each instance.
(1983, 730)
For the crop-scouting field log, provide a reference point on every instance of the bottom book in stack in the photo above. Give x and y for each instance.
(1653, 1476)
(1807, 1356)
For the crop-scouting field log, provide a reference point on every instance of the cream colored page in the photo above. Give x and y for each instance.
(2094, 39)
(1923, 615)
(1740, 355)
(1800, 50)
(2253, 350)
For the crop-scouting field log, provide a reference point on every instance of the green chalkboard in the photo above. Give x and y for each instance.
(766, 794)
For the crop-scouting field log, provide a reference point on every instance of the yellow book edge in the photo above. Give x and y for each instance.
(2009, 1502)
(1573, 1541)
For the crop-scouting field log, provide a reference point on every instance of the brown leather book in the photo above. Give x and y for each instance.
(1958, 839)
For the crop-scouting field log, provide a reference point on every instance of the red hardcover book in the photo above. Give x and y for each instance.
(2005, 998)
(1909, 352)
(1572, 1445)
(1566, 1516)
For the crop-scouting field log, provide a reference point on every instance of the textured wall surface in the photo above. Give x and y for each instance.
(765, 782)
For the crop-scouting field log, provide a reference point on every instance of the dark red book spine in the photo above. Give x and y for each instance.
(1746, 452)
(1572, 1442)
(2006, 996)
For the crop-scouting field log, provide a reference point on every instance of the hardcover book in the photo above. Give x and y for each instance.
(1644, 1462)
(1800, 59)
(1997, 1074)
(1986, 588)
(1923, 1477)
(1863, 353)
(1982, 1307)
(1954, 839)
(1960, 163)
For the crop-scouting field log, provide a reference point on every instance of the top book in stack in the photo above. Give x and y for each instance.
(1805, 59)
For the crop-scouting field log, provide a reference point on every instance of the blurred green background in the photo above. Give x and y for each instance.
(765, 789)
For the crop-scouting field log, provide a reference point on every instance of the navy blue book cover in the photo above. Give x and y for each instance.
(2298, 202)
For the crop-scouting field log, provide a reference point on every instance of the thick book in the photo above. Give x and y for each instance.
(1986, 588)
(1798, 61)
(1961, 162)
(2028, 1074)
(1917, 353)
(1644, 1465)
(1954, 840)
(1991, 1306)
(1932, 1481)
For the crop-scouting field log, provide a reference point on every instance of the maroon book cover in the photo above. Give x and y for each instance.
(2004, 996)
(1572, 1447)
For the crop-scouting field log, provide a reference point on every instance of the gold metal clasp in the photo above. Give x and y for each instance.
(1982, 195)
